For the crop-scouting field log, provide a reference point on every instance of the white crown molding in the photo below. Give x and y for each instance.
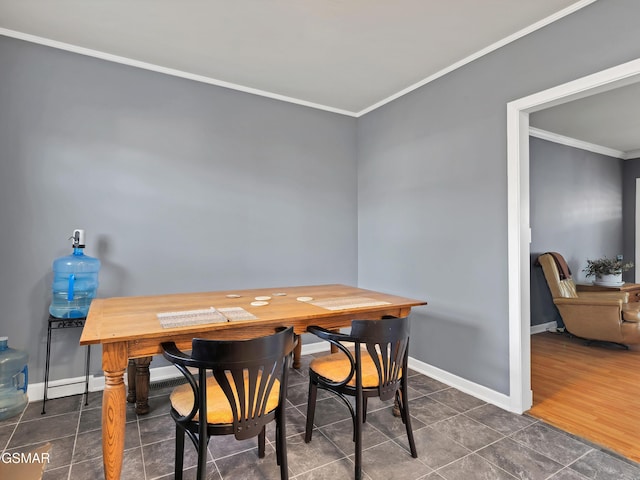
(499, 44)
(212, 81)
(167, 71)
(573, 142)
(632, 154)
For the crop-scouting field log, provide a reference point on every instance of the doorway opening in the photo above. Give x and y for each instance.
(518, 211)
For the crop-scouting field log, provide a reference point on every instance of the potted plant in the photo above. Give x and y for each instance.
(608, 271)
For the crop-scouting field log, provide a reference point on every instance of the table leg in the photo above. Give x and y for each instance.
(142, 385)
(114, 363)
(131, 381)
(86, 376)
(297, 353)
(396, 409)
(333, 348)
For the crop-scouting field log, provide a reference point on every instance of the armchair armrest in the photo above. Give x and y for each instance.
(624, 296)
(172, 353)
(336, 339)
(588, 300)
(631, 312)
(328, 335)
(181, 361)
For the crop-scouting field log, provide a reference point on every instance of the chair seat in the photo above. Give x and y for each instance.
(336, 367)
(218, 408)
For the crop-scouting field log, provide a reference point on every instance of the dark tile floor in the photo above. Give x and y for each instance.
(458, 437)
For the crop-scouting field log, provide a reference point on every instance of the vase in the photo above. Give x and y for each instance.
(610, 280)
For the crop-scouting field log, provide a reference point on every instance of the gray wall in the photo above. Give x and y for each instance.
(180, 187)
(631, 171)
(432, 186)
(576, 209)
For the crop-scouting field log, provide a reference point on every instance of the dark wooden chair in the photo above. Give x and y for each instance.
(376, 366)
(246, 385)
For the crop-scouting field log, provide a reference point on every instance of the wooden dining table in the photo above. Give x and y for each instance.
(134, 327)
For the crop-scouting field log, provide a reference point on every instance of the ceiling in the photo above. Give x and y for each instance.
(345, 56)
(608, 120)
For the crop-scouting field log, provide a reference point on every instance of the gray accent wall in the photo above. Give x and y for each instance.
(179, 185)
(576, 210)
(432, 186)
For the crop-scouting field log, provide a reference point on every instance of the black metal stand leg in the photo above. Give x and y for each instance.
(57, 323)
(46, 369)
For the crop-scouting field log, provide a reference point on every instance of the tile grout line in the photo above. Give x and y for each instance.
(475, 452)
(144, 466)
(15, 427)
(75, 442)
(590, 449)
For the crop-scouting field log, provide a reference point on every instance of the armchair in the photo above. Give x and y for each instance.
(239, 388)
(376, 367)
(600, 316)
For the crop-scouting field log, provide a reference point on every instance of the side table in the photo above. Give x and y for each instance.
(54, 324)
(633, 289)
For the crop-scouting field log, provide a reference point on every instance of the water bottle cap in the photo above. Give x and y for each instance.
(4, 339)
(78, 238)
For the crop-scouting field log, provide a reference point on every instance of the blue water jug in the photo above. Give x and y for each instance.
(75, 281)
(14, 377)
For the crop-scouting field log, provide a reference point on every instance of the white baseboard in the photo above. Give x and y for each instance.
(483, 393)
(75, 386)
(478, 391)
(544, 327)
(316, 347)
(59, 388)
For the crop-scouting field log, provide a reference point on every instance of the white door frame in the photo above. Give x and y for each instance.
(637, 231)
(518, 229)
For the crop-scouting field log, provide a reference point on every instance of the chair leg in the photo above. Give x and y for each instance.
(311, 410)
(278, 453)
(261, 442)
(406, 418)
(179, 454)
(358, 436)
(281, 445)
(364, 409)
(203, 441)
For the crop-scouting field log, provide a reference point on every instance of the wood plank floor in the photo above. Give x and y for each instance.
(590, 391)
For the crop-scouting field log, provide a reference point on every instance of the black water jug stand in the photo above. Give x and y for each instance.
(54, 324)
